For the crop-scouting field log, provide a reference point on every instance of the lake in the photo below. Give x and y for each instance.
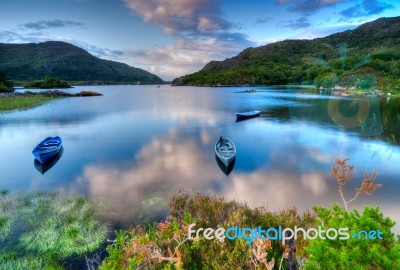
(136, 145)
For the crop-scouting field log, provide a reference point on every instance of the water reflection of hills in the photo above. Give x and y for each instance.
(383, 120)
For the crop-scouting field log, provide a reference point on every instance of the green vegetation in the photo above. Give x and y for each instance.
(41, 230)
(26, 62)
(372, 48)
(23, 102)
(5, 85)
(390, 117)
(47, 83)
(29, 99)
(353, 253)
(166, 245)
(357, 252)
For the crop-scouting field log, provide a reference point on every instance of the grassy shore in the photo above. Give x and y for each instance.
(23, 102)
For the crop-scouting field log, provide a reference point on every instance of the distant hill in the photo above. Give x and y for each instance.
(63, 60)
(372, 48)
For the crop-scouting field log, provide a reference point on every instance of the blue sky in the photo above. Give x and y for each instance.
(175, 37)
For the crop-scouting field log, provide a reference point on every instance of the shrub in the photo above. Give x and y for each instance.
(353, 253)
(165, 245)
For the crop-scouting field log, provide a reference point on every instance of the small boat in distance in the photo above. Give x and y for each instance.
(47, 149)
(245, 115)
(225, 150)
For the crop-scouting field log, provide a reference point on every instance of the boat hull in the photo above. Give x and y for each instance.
(47, 149)
(43, 157)
(246, 115)
(225, 161)
(228, 155)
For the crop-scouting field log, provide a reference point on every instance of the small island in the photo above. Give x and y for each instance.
(12, 100)
(47, 83)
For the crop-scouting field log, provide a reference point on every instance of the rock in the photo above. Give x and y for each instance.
(87, 94)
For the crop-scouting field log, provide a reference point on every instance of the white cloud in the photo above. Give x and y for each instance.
(180, 15)
(200, 32)
(187, 55)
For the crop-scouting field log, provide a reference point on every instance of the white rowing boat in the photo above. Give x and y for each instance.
(225, 150)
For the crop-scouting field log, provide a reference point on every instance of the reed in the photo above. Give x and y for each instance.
(42, 230)
(23, 102)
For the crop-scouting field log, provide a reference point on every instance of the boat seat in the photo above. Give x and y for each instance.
(51, 143)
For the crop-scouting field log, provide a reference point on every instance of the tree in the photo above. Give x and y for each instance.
(5, 85)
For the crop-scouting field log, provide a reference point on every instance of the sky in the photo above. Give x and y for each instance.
(171, 38)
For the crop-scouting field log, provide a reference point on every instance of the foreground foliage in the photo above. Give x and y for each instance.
(41, 230)
(166, 245)
(354, 253)
(342, 173)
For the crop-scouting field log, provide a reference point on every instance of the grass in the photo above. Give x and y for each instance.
(22, 102)
(41, 230)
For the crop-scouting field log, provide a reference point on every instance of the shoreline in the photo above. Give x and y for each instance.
(26, 100)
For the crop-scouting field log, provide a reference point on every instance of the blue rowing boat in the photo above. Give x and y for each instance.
(245, 115)
(47, 149)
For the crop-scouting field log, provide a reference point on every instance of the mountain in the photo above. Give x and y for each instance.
(63, 60)
(372, 48)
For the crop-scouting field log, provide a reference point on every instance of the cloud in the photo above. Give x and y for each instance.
(41, 36)
(366, 8)
(8, 36)
(200, 34)
(177, 16)
(97, 51)
(323, 32)
(165, 165)
(308, 6)
(47, 24)
(298, 24)
(262, 20)
(278, 190)
(188, 55)
(29, 37)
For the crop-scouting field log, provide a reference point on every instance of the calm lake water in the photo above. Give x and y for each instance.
(136, 145)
